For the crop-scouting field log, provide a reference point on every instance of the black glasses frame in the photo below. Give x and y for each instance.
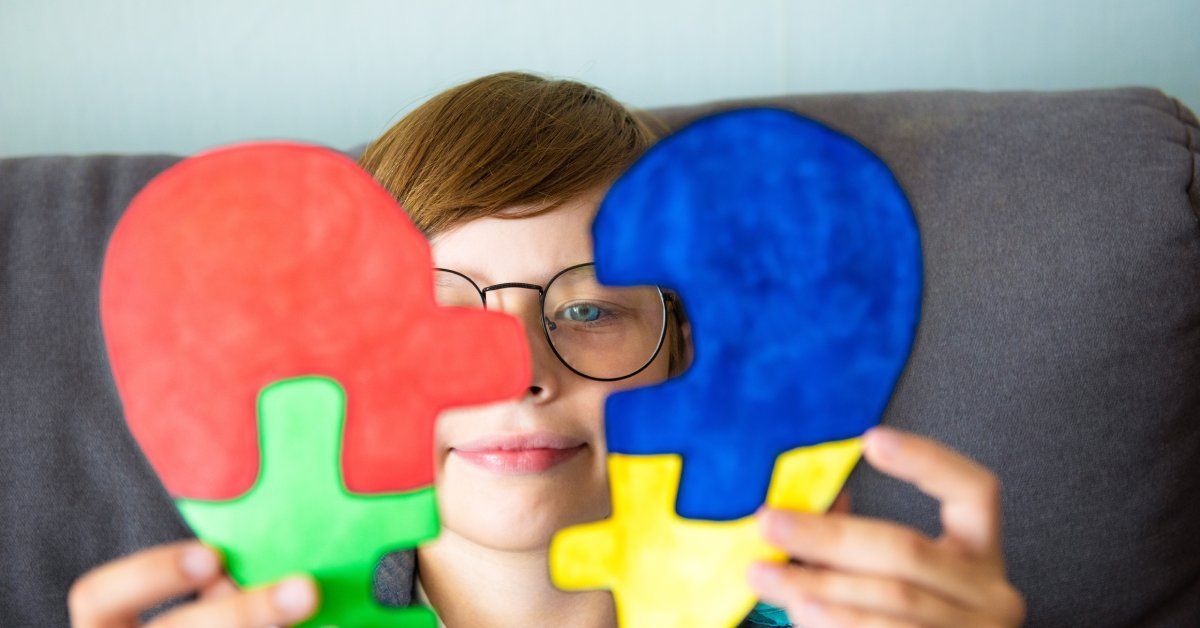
(665, 297)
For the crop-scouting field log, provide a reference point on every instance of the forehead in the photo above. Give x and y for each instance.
(493, 250)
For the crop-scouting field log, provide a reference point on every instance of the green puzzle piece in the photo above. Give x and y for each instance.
(299, 518)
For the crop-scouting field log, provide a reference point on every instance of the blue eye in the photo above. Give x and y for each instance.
(582, 313)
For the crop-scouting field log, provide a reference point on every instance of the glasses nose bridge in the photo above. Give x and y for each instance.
(540, 316)
(541, 291)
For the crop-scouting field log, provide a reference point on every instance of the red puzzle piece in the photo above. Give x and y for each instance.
(247, 265)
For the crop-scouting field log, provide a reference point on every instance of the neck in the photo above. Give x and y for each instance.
(472, 585)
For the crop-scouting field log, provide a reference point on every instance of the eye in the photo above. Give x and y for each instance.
(583, 313)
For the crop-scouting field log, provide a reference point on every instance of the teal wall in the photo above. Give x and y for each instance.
(178, 76)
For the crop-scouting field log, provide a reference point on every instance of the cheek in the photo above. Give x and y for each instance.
(657, 373)
(598, 392)
(593, 412)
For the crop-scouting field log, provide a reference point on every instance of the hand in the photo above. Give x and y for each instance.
(115, 594)
(855, 571)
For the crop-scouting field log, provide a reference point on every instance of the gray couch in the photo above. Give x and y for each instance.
(1060, 345)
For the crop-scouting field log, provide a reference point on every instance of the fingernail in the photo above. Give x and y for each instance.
(199, 563)
(882, 440)
(295, 596)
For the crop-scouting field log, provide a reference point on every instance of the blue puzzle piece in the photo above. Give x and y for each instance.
(799, 260)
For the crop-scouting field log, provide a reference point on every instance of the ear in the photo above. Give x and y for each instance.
(841, 504)
(679, 332)
(685, 331)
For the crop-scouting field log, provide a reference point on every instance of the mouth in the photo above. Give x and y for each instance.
(519, 454)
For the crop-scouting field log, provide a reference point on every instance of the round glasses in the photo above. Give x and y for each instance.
(604, 333)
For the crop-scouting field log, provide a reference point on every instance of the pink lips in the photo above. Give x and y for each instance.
(516, 454)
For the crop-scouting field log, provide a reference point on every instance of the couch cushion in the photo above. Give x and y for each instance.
(77, 490)
(1059, 344)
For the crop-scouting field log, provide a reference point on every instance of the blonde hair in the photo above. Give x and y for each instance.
(511, 145)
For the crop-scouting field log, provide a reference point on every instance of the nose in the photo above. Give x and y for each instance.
(527, 308)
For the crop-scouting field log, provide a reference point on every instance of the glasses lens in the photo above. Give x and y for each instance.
(606, 332)
(453, 290)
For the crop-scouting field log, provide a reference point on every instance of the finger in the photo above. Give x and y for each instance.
(796, 585)
(969, 493)
(842, 502)
(875, 547)
(289, 601)
(817, 615)
(221, 587)
(115, 593)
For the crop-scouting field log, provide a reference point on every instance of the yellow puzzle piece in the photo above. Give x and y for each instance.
(664, 570)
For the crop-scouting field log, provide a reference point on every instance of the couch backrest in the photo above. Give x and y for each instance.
(1059, 345)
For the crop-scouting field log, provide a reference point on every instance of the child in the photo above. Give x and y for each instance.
(504, 174)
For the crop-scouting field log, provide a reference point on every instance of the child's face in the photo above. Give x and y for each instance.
(517, 500)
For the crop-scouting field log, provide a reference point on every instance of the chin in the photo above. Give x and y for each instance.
(520, 513)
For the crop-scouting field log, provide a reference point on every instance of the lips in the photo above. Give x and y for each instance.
(519, 454)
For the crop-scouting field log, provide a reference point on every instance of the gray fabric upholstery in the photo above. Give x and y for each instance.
(1059, 344)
